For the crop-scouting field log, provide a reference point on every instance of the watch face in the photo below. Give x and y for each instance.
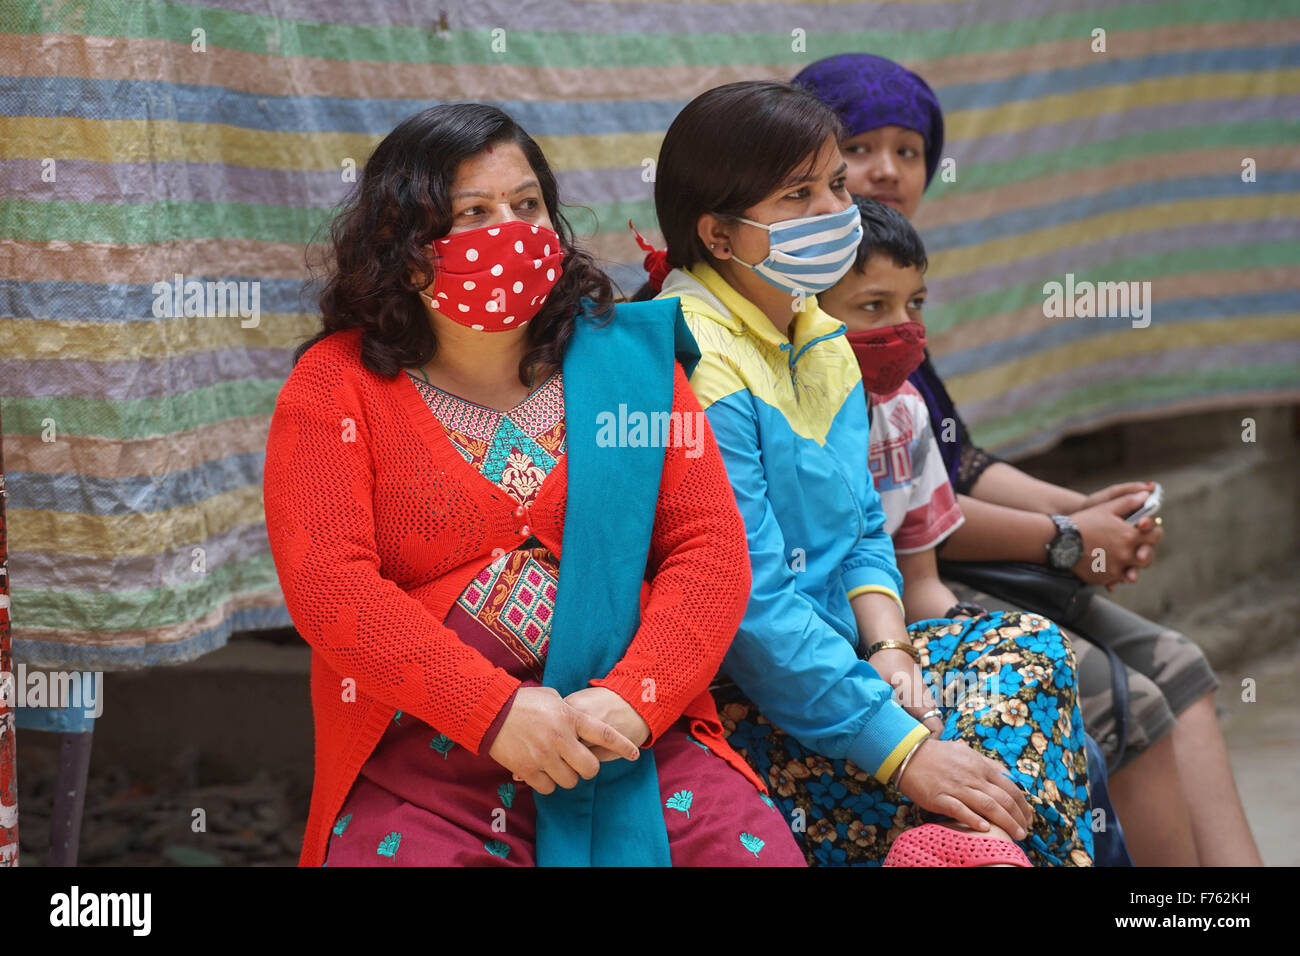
(1067, 548)
(1067, 552)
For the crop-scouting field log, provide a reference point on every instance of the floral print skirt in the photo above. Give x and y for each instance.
(1006, 685)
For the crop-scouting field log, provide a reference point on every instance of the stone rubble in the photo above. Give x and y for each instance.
(135, 822)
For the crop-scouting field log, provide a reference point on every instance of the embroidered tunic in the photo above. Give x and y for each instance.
(514, 597)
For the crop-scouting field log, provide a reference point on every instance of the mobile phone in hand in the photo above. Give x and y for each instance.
(1149, 507)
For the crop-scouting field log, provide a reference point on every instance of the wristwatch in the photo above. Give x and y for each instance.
(1066, 548)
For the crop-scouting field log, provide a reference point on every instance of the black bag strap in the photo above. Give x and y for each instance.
(1118, 701)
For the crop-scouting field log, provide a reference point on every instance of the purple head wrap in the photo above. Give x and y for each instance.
(870, 91)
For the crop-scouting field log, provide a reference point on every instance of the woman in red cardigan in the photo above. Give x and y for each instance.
(433, 456)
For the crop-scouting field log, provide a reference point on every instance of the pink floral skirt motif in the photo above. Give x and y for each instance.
(422, 800)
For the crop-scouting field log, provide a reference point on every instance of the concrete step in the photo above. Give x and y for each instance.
(1231, 509)
(1251, 619)
(1227, 519)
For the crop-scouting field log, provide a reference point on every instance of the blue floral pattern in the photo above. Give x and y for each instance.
(1016, 704)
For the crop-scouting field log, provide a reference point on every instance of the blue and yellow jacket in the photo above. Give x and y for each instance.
(790, 418)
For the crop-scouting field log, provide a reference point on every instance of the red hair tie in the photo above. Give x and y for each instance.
(655, 262)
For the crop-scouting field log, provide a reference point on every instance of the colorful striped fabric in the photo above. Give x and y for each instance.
(135, 148)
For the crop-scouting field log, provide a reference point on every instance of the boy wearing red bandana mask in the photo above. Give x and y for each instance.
(880, 301)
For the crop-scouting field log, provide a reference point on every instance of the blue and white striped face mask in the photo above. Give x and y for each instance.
(809, 255)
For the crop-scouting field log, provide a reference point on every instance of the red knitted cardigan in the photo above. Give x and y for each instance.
(377, 524)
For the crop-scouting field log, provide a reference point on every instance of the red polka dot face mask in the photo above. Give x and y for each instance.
(494, 278)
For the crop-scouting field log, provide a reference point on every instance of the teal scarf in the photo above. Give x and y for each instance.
(614, 819)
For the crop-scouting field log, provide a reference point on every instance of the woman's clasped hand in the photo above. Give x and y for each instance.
(546, 741)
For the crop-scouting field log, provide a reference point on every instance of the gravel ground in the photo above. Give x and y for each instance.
(153, 822)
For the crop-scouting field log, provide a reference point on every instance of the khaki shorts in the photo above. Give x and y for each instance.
(1167, 672)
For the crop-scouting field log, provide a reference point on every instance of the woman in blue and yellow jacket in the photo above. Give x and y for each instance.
(751, 198)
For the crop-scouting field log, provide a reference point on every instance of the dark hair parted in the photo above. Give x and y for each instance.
(886, 232)
(399, 206)
(730, 148)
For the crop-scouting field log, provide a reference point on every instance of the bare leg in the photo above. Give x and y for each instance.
(1218, 820)
(1149, 799)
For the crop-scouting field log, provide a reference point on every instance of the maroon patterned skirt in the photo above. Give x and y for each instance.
(421, 800)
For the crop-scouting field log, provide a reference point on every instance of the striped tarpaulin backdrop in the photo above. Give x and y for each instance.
(145, 141)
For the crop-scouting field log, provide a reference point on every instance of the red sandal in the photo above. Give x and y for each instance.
(935, 845)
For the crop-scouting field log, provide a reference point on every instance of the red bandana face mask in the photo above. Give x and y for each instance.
(888, 355)
(494, 278)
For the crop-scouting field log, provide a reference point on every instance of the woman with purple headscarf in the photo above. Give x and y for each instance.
(1173, 787)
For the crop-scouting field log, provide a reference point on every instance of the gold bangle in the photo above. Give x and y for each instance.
(894, 645)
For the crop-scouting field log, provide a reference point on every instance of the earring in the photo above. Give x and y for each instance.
(713, 245)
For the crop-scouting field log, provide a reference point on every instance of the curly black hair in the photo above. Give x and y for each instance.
(400, 204)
